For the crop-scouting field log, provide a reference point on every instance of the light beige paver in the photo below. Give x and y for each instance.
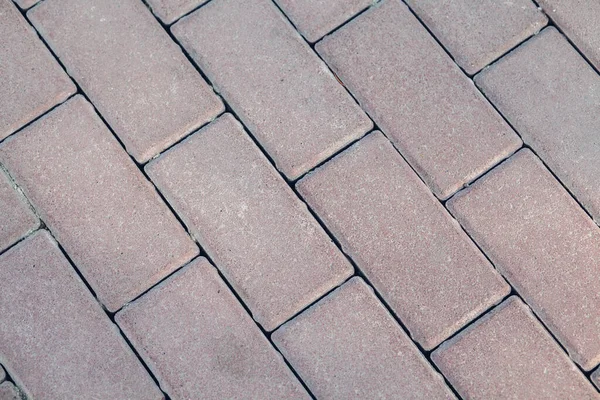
(138, 79)
(509, 355)
(539, 238)
(16, 218)
(201, 344)
(279, 88)
(264, 240)
(8, 391)
(31, 81)
(418, 96)
(170, 11)
(57, 343)
(551, 95)
(106, 215)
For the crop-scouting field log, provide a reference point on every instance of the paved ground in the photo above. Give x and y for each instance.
(327, 199)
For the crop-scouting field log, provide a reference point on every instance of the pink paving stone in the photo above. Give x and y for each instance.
(348, 346)
(170, 11)
(478, 32)
(252, 225)
(200, 343)
(106, 215)
(418, 96)
(57, 342)
(8, 391)
(16, 218)
(539, 238)
(138, 79)
(276, 84)
(31, 82)
(551, 95)
(508, 354)
(403, 240)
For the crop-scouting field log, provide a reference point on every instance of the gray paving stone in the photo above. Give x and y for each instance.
(170, 11)
(596, 378)
(2, 374)
(24, 4)
(16, 218)
(8, 391)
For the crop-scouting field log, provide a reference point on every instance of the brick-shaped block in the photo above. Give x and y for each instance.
(199, 341)
(478, 32)
(32, 81)
(403, 240)
(133, 73)
(508, 354)
(276, 84)
(418, 97)
(8, 391)
(170, 11)
(253, 226)
(547, 247)
(106, 215)
(348, 346)
(550, 94)
(16, 218)
(57, 341)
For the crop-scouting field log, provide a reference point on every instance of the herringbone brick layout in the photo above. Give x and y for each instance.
(295, 199)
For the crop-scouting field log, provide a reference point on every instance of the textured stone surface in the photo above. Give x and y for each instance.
(539, 238)
(551, 95)
(509, 355)
(16, 218)
(596, 378)
(138, 79)
(402, 239)
(8, 391)
(201, 344)
(2, 374)
(316, 18)
(31, 81)
(418, 96)
(170, 11)
(281, 90)
(56, 340)
(478, 32)
(24, 4)
(106, 215)
(263, 239)
(348, 346)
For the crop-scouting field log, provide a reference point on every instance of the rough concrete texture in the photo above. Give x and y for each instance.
(8, 391)
(16, 218)
(2, 374)
(25, 4)
(596, 378)
(170, 11)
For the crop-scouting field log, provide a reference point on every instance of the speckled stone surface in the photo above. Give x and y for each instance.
(509, 355)
(417, 257)
(136, 76)
(478, 32)
(539, 238)
(170, 11)
(551, 95)
(16, 218)
(24, 4)
(31, 82)
(106, 215)
(201, 344)
(2, 374)
(8, 391)
(279, 88)
(263, 239)
(418, 97)
(596, 378)
(56, 340)
(348, 346)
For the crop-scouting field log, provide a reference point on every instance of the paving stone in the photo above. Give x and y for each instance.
(138, 79)
(316, 18)
(382, 215)
(170, 11)
(24, 4)
(31, 82)
(200, 343)
(551, 96)
(418, 96)
(596, 378)
(16, 219)
(539, 238)
(106, 215)
(477, 33)
(271, 78)
(8, 391)
(2, 374)
(508, 354)
(252, 225)
(348, 346)
(56, 340)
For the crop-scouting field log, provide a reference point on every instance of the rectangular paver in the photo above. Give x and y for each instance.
(252, 225)
(348, 346)
(125, 62)
(551, 96)
(418, 97)
(201, 344)
(402, 239)
(509, 355)
(478, 32)
(57, 342)
(276, 84)
(170, 11)
(106, 215)
(539, 238)
(16, 218)
(31, 80)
